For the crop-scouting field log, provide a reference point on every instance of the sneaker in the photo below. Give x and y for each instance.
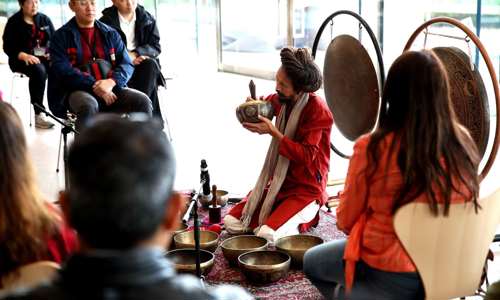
(42, 122)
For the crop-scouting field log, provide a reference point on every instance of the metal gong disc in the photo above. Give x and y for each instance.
(468, 94)
(351, 86)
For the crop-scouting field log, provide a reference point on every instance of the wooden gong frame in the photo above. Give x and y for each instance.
(491, 70)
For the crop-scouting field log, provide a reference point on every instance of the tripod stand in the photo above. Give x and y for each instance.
(193, 209)
(65, 129)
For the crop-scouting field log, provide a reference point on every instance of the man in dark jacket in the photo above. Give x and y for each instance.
(139, 32)
(90, 68)
(122, 205)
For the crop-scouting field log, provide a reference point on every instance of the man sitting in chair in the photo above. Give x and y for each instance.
(291, 186)
(90, 69)
(122, 205)
(139, 33)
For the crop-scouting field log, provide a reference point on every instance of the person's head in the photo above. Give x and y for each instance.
(85, 11)
(25, 221)
(121, 174)
(125, 7)
(298, 74)
(29, 7)
(434, 146)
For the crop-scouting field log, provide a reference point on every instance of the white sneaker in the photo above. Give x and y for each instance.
(42, 122)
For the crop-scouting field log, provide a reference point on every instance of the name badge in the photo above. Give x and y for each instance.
(39, 51)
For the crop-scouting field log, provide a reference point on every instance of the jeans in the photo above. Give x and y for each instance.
(324, 267)
(145, 79)
(37, 75)
(85, 105)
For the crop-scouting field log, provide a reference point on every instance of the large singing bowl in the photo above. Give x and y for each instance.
(184, 260)
(237, 245)
(264, 266)
(296, 246)
(208, 240)
(250, 111)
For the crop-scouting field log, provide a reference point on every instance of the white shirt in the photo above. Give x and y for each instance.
(128, 29)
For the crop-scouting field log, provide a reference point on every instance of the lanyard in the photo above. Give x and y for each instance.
(93, 42)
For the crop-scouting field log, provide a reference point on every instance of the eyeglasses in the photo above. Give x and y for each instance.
(85, 2)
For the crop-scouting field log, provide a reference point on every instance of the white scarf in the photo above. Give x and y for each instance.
(274, 162)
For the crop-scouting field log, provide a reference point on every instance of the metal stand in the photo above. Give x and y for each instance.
(64, 132)
(193, 210)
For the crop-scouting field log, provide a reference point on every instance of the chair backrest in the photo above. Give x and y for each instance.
(449, 252)
(30, 275)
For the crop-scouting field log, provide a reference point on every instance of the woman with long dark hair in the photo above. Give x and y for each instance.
(419, 152)
(26, 42)
(31, 229)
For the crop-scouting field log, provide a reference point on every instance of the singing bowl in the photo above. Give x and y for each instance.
(250, 111)
(237, 245)
(222, 197)
(184, 260)
(296, 246)
(264, 266)
(208, 240)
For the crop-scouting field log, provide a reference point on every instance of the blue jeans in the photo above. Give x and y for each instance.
(324, 267)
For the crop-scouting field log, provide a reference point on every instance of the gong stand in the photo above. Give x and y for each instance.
(362, 23)
(470, 35)
(193, 210)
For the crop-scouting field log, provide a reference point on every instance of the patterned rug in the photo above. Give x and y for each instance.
(293, 286)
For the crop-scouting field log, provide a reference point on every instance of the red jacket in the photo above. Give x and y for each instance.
(309, 155)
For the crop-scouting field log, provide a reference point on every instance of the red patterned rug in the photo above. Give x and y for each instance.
(293, 286)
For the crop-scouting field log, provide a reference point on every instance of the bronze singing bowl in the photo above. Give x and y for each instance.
(264, 266)
(296, 246)
(222, 197)
(237, 245)
(208, 240)
(251, 110)
(184, 260)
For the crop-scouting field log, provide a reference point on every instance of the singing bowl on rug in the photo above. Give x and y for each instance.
(184, 260)
(208, 240)
(296, 246)
(264, 266)
(222, 197)
(250, 111)
(237, 245)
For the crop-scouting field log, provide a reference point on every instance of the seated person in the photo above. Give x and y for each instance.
(31, 228)
(291, 187)
(419, 152)
(122, 205)
(25, 41)
(90, 68)
(139, 33)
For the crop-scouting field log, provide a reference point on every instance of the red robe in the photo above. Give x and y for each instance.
(309, 155)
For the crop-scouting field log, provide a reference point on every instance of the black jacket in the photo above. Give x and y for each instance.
(147, 35)
(137, 274)
(18, 37)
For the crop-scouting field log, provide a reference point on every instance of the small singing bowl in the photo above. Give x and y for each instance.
(237, 245)
(182, 227)
(296, 246)
(222, 197)
(184, 260)
(208, 240)
(264, 266)
(251, 110)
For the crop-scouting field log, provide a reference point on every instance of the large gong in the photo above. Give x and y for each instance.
(468, 94)
(351, 86)
(352, 89)
(467, 88)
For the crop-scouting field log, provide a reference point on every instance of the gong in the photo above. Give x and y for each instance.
(352, 90)
(351, 86)
(472, 87)
(468, 94)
